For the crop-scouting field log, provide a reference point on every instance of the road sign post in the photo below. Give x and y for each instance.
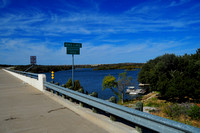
(73, 70)
(73, 49)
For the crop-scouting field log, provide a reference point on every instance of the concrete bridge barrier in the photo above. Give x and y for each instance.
(35, 80)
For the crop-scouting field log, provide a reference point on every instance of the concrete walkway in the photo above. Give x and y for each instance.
(24, 109)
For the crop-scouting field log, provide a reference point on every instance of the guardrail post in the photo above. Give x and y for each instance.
(63, 96)
(94, 110)
(112, 117)
(81, 104)
(70, 99)
(139, 106)
(57, 93)
(139, 129)
(94, 94)
(112, 100)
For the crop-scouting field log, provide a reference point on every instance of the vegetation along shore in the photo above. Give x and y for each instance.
(174, 87)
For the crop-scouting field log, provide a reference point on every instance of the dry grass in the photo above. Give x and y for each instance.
(183, 119)
(152, 100)
(146, 97)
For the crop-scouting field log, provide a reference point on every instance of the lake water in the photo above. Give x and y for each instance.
(92, 80)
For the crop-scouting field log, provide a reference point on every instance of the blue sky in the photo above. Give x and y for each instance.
(111, 31)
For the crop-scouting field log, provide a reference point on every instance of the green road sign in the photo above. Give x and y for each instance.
(70, 44)
(73, 50)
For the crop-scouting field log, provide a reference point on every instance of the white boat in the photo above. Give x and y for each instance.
(142, 85)
(130, 89)
(133, 93)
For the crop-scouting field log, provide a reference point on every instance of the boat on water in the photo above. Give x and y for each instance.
(132, 91)
(143, 85)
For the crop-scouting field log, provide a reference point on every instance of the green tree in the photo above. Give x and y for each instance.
(122, 82)
(175, 77)
(110, 82)
(69, 83)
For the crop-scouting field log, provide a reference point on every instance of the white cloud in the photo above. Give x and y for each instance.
(18, 51)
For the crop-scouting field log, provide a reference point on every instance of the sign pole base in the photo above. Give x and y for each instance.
(73, 70)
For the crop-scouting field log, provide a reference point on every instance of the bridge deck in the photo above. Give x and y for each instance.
(24, 109)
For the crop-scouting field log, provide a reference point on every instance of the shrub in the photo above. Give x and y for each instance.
(71, 87)
(77, 85)
(63, 85)
(173, 110)
(69, 83)
(57, 83)
(194, 112)
(86, 92)
(94, 94)
(81, 90)
(112, 99)
(176, 110)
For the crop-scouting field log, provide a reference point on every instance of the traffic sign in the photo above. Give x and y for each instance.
(33, 60)
(70, 44)
(73, 50)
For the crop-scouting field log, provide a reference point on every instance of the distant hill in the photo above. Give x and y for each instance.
(49, 68)
(128, 66)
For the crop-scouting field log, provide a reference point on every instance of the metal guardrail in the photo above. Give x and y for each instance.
(142, 119)
(28, 74)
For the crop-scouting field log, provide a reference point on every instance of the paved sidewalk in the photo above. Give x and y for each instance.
(24, 109)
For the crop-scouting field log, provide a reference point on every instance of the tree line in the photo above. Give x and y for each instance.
(48, 68)
(127, 66)
(42, 68)
(175, 77)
